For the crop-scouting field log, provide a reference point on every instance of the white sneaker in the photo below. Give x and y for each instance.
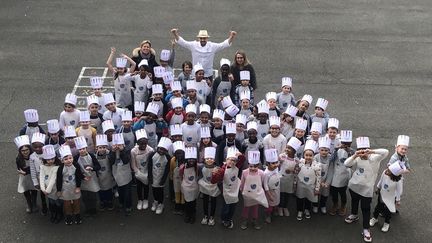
(351, 218)
(116, 194)
(204, 221)
(385, 227)
(324, 210)
(140, 205)
(159, 208)
(280, 212)
(367, 237)
(211, 221)
(154, 205)
(307, 214)
(286, 212)
(373, 221)
(315, 209)
(145, 204)
(300, 216)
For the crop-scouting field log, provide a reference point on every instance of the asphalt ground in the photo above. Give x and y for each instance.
(370, 59)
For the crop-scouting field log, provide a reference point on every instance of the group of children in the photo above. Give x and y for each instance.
(200, 140)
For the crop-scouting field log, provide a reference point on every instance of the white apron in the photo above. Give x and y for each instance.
(142, 173)
(253, 192)
(231, 185)
(388, 192)
(122, 172)
(324, 191)
(129, 139)
(274, 189)
(287, 179)
(189, 185)
(46, 181)
(176, 119)
(205, 185)
(92, 185)
(306, 183)
(150, 128)
(122, 86)
(341, 174)
(69, 184)
(25, 182)
(223, 90)
(106, 180)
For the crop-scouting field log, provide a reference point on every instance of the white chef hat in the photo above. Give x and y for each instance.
(168, 77)
(301, 124)
(209, 153)
(69, 132)
(316, 127)
(245, 94)
(307, 98)
(80, 142)
(363, 142)
(127, 115)
(92, 99)
(48, 152)
(179, 145)
(191, 108)
(153, 108)
(244, 75)
(232, 110)
(230, 128)
(176, 102)
(159, 71)
(271, 155)
(175, 130)
(322, 103)
(218, 114)
(204, 108)
(252, 125)
(53, 126)
(64, 151)
(240, 118)
(140, 134)
(31, 115)
(143, 62)
(225, 61)
(205, 132)
(263, 107)
(403, 140)
(197, 67)
(397, 168)
(22, 140)
(191, 85)
(286, 81)
(121, 62)
(346, 136)
(324, 142)
(291, 111)
(176, 86)
(108, 98)
(118, 139)
(101, 140)
(165, 142)
(190, 153)
(84, 116)
(157, 89)
(333, 122)
(165, 55)
(311, 145)
(38, 137)
(107, 125)
(271, 95)
(232, 152)
(253, 157)
(274, 121)
(139, 106)
(70, 99)
(294, 143)
(226, 101)
(96, 82)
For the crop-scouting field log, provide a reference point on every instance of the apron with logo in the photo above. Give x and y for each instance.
(205, 184)
(150, 129)
(274, 189)
(122, 172)
(253, 192)
(142, 173)
(122, 87)
(287, 179)
(25, 182)
(106, 180)
(92, 185)
(306, 183)
(231, 185)
(69, 184)
(223, 90)
(189, 185)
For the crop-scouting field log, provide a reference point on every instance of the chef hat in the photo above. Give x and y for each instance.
(175, 130)
(346, 136)
(65, 151)
(153, 108)
(286, 81)
(291, 111)
(301, 124)
(107, 125)
(165, 55)
(69, 132)
(121, 62)
(197, 67)
(38, 137)
(230, 128)
(127, 115)
(140, 134)
(245, 75)
(168, 77)
(96, 82)
(322, 103)
(363, 143)
(84, 116)
(316, 127)
(191, 85)
(204, 108)
(240, 118)
(159, 71)
(209, 153)
(232, 152)
(397, 168)
(92, 99)
(157, 89)
(253, 157)
(333, 122)
(108, 98)
(311, 145)
(53, 126)
(232, 110)
(205, 132)
(139, 106)
(245, 94)
(294, 143)
(218, 114)
(324, 142)
(263, 107)
(101, 140)
(31, 115)
(271, 155)
(178, 145)
(22, 140)
(118, 139)
(70, 99)
(271, 95)
(252, 125)
(225, 61)
(274, 121)
(165, 142)
(307, 98)
(80, 142)
(190, 153)
(143, 62)
(176, 102)
(48, 152)
(176, 86)
(191, 108)
(226, 101)
(403, 140)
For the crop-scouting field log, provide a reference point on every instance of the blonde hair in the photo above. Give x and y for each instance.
(243, 53)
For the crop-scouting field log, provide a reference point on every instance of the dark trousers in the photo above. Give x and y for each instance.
(106, 198)
(190, 208)
(206, 200)
(228, 211)
(89, 200)
(125, 195)
(321, 203)
(303, 204)
(382, 208)
(142, 190)
(365, 207)
(158, 194)
(284, 199)
(335, 192)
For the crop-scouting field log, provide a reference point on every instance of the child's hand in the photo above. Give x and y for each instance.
(89, 168)
(230, 77)
(20, 171)
(113, 50)
(123, 55)
(45, 192)
(174, 31)
(316, 193)
(398, 203)
(59, 194)
(77, 190)
(87, 178)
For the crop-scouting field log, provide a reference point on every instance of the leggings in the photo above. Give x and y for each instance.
(335, 192)
(142, 190)
(125, 195)
(365, 207)
(254, 209)
(303, 204)
(284, 198)
(190, 208)
(158, 194)
(206, 200)
(322, 202)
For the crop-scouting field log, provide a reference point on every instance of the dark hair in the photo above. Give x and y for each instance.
(394, 177)
(20, 160)
(186, 63)
(56, 161)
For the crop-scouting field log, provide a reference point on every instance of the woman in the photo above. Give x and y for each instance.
(241, 63)
(145, 51)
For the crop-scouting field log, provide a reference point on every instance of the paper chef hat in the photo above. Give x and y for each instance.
(291, 111)
(84, 116)
(157, 89)
(294, 143)
(165, 55)
(244, 75)
(263, 107)
(316, 127)
(80, 142)
(307, 98)
(209, 153)
(333, 122)
(176, 130)
(301, 124)
(31, 115)
(141, 134)
(118, 139)
(127, 115)
(363, 143)
(108, 98)
(165, 142)
(107, 125)
(176, 102)
(225, 61)
(403, 140)
(245, 94)
(218, 114)
(96, 82)
(143, 62)
(191, 108)
(139, 106)
(22, 140)
(48, 152)
(240, 118)
(346, 136)
(65, 151)
(232, 110)
(70, 99)
(197, 67)
(271, 155)
(204, 108)
(153, 108)
(397, 168)
(274, 121)
(253, 157)
(179, 145)
(252, 125)
(232, 152)
(159, 71)
(38, 137)
(53, 126)
(121, 62)
(271, 96)
(191, 85)
(190, 153)
(168, 77)
(226, 101)
(311, 145)
(205, 132)
(286, 81)
(92, 99)
(230, 128)
(101, 140)
(324, 142)
(176, 86)
(321, 103)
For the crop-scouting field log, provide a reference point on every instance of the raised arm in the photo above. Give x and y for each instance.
(110, 59)
(132, 62)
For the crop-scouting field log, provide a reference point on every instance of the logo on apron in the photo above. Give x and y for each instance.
(141, 88)
(253, 186)
(103, 168)
(191, 178)
(361, 170)
(151, 134)
(233, 178)
(285, 104)
(189, 139)
(277, 183)
(322, 173)
(209, 178)
(46, 177)
(158, 165)
(143, 163)
(385, 186)
(225, 90)
(72, 122)
(200, 91)
(122, 86)
(306, 179)
(263, 134)
(127, 142)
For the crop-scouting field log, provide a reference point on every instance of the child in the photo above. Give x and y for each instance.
(206, 142)
(97, 85)
(48, 177)
(191, 129)
(25, 183)
(222, 84)
(285, 97)
(288, 121)
(149, 120)
(332, 131)
(389, 187)
(315, 131)
(167, 58)
(68, 185)
(307, 181)
(89, 166)
(32, 123)
(252, 143)
(139, 160)
(158, 167)
(176, 115)
(142, 82)
(191, 93)
(203, 88)
(401, 150)
(245, 106)
(271, 182)
(241, 133)
(189, 184)
(361, 184)
(55, 135)
(37, 142)
(210, 191)
(230, 113)
(271, 98)
(139, 108)
(176, 92)
(88, 132)
(300, 133)
(263, 115)
(243, 86)
(275, 139)
(320, 115)
(105, 177)
(186, 74)
(156, 98)
(108, 130)
(176, 133)
(96, 118)
(286, 171)
(204, 116)
(69, 135)
(221, 149)
(126, 130)
(121, 169)
(176, 161)
(252, 189)
(113, 112)
(217, 130)
(69, 116)
(302, 106)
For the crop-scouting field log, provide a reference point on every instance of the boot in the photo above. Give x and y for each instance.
(342, 210)
(333, 210)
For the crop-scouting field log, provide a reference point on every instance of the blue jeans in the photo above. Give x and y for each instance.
(228, 211)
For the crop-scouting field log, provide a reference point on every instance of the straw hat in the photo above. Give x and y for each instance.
(203, 34)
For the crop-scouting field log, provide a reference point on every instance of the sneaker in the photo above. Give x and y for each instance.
(128, 211)
(286, 212)
(78, 219)
(300, 216)
(307, 214)
(211, 221)
(28, 210)
(373, 221)
(342, 211)
(116, 194)
(351, 218)
(68, 220)
(101, 207)
(367, 237)
(145, 204)
(280, 212)
(315, 209)
(256, 225)
(244, 225)
(140, 205)
(324, 210)
(333, 210)
(110, 206)
(385, 227)
(154, 205)
(268, 219)
(204, 221)
(231, 225)
(159, 208)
